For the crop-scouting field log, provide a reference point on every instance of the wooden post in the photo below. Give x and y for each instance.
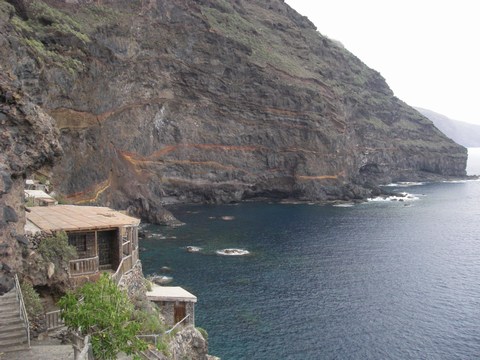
(97, 253)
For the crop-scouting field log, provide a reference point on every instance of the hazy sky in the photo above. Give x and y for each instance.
(428, 51)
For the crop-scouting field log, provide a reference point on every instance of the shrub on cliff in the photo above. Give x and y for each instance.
(104, 312)
(33, 304)
(56, 249)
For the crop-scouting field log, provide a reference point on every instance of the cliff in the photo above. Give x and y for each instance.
(28, 142)
(211, 101)
(463, 133)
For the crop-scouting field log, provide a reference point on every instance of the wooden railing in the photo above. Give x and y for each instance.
(125, 265)
(82, 349)
(84, 266)
(54, 320)
(178, 323)
(23, 311)
(127, 248)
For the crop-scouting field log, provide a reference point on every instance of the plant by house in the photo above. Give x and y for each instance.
(33, 304)
(105, 313)
(56, 248)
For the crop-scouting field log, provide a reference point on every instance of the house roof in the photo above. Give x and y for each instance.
(74, 218)
(37, 194)
(170, 293)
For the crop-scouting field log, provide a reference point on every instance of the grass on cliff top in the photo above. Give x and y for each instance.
(46, 24)
(276, 40)
(266, 47)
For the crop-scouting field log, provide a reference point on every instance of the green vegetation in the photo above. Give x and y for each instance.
(56, 249)
(104, 312)
(57, 20)
(150, 322)
(45, 23)
(266, 48)
(148, 285)
(33, 305)
(203, 332)
(163, 348)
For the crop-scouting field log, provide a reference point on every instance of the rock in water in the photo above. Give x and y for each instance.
(232, 252)
(193, 249)
(160, 279)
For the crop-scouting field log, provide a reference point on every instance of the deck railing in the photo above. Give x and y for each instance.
(127, 248)
(84, 266)
(178, 323)
(23, 311)
(54, 320)
(154, 340)
(125, 265)
(82, 348)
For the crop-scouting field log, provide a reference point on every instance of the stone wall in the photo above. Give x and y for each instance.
(168, 311)
(134, 283)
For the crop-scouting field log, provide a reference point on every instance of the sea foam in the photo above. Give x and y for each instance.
(404, 196)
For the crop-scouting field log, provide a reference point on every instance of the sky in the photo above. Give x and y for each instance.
(428, 51)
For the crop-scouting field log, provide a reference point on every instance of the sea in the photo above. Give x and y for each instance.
(395, 278)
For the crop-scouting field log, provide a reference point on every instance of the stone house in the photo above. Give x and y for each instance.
(175, 303)
(105, 239)
(39, 198)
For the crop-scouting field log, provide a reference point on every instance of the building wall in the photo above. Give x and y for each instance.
(167, 309)
(84, 242)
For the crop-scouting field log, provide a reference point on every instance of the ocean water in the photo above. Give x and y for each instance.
(378, 280)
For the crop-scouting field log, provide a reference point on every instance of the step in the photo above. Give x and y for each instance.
(5, 316)
(10, 294)
(8, 299)
(11, 326)
(12, 348)
(13, 341)
(9, 307)
(9, 304)
(13, 334)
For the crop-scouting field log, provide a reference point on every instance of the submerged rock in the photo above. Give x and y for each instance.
(228, 218)
(193, 249)
(232, 252)
(160, 279)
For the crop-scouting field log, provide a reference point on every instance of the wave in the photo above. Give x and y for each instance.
(193, 249)
(405, 184)
(344, 205)
(456, 181)
(404, 196)
(160, 279)
(232, 252)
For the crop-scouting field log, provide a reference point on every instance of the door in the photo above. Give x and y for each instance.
(105, 248)
(179, 311)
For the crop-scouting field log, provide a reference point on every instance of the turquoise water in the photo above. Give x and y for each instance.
(380, 280)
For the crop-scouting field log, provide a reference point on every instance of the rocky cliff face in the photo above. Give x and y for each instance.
(29, 141)
(213, 101)
(463, 133)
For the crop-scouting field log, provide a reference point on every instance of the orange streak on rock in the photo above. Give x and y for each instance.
(137, 159)
(320, 177)
(91, 194)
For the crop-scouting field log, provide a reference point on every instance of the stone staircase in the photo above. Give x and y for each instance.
(13, 332)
